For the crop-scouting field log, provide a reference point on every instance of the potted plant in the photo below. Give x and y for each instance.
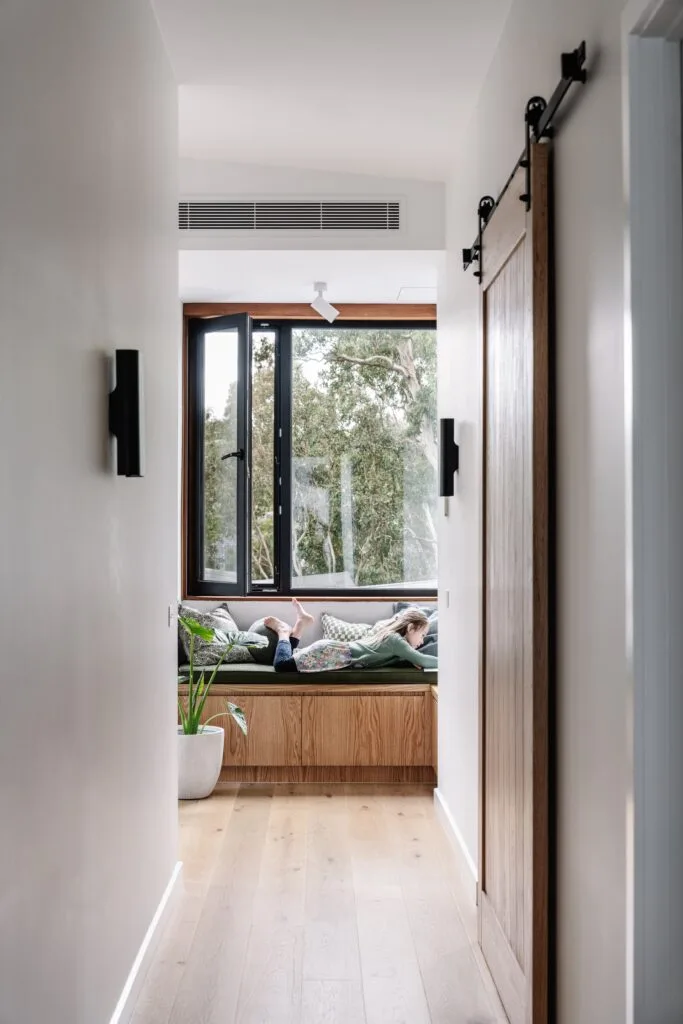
(200, 745)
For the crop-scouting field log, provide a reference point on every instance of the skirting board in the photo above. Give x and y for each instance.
(467, 867)
(131, 990)
(412, 775)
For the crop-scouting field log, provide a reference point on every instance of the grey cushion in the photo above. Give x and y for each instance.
(251, 673)
(428, 609)
(263, 655)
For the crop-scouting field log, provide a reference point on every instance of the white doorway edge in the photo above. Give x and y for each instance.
(131, 990)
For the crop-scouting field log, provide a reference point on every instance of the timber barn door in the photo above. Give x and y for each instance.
(514, 791)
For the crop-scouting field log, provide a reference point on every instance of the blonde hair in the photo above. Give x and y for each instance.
(398, 624)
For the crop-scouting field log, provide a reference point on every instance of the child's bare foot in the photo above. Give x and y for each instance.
(304, 617)
(277, 625)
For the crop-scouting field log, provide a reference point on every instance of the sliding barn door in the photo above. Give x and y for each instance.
(513, 906)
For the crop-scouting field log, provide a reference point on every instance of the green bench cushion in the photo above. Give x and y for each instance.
(251, 673)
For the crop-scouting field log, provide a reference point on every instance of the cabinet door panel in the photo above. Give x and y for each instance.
(274, 730)
(366, 730)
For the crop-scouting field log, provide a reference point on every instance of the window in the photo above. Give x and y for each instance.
(312, 458)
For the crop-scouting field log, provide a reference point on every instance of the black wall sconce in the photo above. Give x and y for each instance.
(126, 414)
(449, 458)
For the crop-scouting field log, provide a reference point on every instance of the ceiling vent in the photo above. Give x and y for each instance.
(289, 216)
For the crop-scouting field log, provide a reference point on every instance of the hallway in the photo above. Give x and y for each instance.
(314, 904)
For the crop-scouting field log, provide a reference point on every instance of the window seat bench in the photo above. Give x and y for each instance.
(327, 727)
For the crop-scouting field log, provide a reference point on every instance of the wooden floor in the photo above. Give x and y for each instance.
(315, 904)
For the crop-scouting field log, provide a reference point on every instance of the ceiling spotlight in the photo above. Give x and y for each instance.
(321, 305)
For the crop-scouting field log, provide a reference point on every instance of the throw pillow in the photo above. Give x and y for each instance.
(208, 653)
(428, 609)
(337, 629)
(263, 655)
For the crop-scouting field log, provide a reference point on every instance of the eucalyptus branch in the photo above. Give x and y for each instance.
(381, 362)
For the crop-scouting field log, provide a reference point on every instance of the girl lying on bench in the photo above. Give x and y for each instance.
(388, 643)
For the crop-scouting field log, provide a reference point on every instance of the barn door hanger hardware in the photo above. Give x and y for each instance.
(538, 125)
(486, 206)
(538, 116)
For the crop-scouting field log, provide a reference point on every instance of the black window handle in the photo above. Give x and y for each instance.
(239, 454)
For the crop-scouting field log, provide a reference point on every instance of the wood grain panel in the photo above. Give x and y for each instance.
(502, 960)
(274, 730)
(515, 620)
(302, 311)
(368, 730)
(313, 689)
(537, 813)
(510, 228)
(415, 775)
(508, 589)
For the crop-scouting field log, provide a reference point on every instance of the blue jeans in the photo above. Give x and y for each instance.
(283, 660)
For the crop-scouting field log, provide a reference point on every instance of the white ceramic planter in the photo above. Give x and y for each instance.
(199, 762)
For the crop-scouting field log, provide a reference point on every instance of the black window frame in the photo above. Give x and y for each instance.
(195, 586)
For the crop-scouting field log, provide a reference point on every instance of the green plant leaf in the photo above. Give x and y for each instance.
(191, 708)
(238, 716)
(223, 638)
(233, 712)
(184, 719)
(194, 628)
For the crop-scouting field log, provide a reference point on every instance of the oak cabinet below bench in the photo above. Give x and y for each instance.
(306, 732)
(273, 729)
(367, 729)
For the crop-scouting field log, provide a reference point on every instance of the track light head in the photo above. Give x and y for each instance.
(320, 304)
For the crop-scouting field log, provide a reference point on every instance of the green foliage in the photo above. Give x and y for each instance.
(364, 459)
(220, 488)
(192, 706)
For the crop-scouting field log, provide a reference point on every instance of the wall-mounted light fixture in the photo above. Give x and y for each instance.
(449, 458)
(321, 305)
(126, 413)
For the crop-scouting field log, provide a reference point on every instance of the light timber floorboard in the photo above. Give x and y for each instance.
(317, 904)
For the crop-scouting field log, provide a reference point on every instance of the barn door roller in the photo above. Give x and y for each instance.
(538, 125)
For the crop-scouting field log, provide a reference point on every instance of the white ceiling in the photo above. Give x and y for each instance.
(361, 276)
(368, 86)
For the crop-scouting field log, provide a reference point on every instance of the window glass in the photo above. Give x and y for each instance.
(262, 457)
(364, 458)
(220, 379)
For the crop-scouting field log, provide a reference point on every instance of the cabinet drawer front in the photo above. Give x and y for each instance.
(274, 730)
(366, 730)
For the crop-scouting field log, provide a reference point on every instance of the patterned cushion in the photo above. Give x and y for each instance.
(206, 653)
(337, 629)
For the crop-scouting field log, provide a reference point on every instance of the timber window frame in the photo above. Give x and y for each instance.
(195, 583)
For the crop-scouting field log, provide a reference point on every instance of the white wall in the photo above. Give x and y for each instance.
(422, 214)
(656, 202)
(591, 745)
(246, 613)
(87, 560)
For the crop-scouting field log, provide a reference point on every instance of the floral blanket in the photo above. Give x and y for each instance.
(323, 656)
